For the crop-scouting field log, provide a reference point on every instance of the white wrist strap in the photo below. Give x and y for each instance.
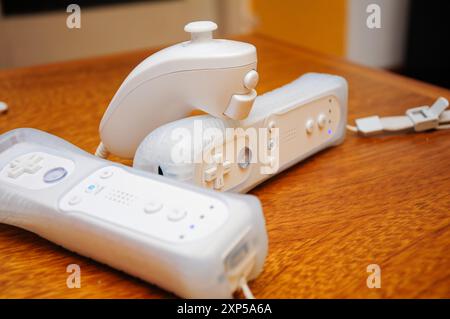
(102, 151)
(420, 119)
(246, 289)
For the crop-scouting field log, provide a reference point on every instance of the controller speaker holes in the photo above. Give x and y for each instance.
(245, 158)
(288, 135)
(120, 197)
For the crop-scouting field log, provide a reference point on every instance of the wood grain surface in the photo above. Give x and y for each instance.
(381, 200)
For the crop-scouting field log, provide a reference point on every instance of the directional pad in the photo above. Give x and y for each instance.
(216, 172)
(30, 165)
(36, 170)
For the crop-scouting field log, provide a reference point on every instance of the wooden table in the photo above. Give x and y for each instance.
(381, 200)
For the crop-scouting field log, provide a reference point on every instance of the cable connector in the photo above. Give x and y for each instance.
(369, 125)
(426, 118)
(420, 119)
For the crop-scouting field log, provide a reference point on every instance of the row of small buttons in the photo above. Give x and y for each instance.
(321, 122)
(174, 214)
(155, 209)
(150, 208)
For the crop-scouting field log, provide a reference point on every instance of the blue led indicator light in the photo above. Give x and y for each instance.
(329, 131)
(192, 226)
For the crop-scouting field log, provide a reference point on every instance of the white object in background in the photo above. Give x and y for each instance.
(212, 75)
(136, 26)
(3, 107)
(384, 47)
(188, 240)
(420, 119)
(310, 113)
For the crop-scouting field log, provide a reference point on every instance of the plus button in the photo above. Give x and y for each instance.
(28, 165)
(216, 172)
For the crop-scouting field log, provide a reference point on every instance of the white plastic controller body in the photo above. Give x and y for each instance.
(188, 240)
(213, 75)
(310, 114)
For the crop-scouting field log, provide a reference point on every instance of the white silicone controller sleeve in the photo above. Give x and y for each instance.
(194, 269)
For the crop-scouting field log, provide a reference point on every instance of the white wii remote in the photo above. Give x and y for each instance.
(288, 124)
(191, 241)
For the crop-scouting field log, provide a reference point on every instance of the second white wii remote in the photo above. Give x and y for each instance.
(191, 241)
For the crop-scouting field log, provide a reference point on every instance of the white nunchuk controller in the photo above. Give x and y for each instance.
(216, 76)
(188, 240)
(290, 124)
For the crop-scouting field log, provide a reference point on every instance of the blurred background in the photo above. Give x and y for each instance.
(412, 38)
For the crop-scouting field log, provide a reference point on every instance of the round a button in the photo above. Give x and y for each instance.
(176, 215)
(55, 175)
(152, 207)
(251, 79)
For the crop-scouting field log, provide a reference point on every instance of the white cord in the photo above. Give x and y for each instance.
(3, 107)
(246, 289)
(101, 151)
